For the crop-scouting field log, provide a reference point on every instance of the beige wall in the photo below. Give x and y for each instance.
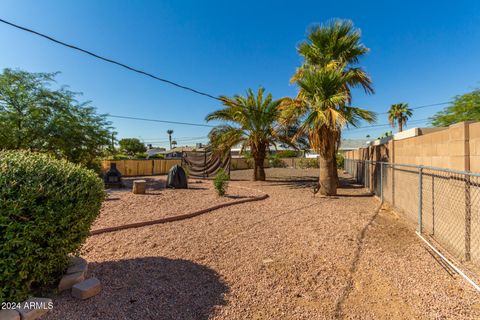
(447, 198)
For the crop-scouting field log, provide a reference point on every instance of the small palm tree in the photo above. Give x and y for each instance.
(174, 143)
(399, 114)
(252, 122)
(170, 132)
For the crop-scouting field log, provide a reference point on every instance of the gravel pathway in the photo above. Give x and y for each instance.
(291, 256)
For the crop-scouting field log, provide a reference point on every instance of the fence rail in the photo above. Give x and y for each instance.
(443, 203)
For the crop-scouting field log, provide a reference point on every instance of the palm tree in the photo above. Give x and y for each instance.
(323, 104)
(399, 114)
(331, 45)
(174, 143)
(252, 122)
(170, 132)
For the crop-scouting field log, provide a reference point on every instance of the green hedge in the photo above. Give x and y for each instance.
(46, 209)
(306, 163)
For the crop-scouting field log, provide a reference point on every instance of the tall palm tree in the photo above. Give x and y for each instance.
(252, 121)
(335, 44)
(323, 106)
(331, 45)
(399, 114)
(170, 132)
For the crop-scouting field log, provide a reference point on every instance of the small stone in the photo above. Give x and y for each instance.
(9, 315)
(139, 186)
(86, 289)
(34, 308)
(267, 261)
(69, 280)
(78, 264)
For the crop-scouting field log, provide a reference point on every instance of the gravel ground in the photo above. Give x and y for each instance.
(124, 207)
(291, 256)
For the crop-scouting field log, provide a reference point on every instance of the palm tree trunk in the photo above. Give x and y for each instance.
(400, 126)
(328, 178)
(170, 139)
(328, 182)
(259, 160)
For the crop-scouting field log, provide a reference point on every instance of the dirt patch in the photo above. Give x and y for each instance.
(287, 257)
(124, 207)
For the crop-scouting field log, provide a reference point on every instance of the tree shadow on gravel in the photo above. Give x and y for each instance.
(147, 288)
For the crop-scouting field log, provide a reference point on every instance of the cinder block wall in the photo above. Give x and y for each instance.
(445, 207)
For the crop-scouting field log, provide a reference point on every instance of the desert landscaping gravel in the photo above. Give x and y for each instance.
(291, 256)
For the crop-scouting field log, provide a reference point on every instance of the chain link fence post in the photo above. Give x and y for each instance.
(420, 198)
(381, 181)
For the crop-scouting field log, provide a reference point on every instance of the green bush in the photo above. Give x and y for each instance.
(220, 182)
(305, 163)
(157, 156)
(47, 207)
(340, 160)
(141, 155)
(275, 161)
(120, 157)
(287, 154)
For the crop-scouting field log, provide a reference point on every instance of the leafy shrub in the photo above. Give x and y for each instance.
(141, 155)
(157, 156)
(47, 207)
(220, 182)
(305, 163)
(287, 154)
(120, 157)
(340, 160)
(275, 161)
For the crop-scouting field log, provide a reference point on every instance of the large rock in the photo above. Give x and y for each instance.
(86, 289)
(34, 308)
(69, 280)
(78, 264)
(9, 315)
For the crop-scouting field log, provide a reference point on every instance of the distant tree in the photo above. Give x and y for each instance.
(465, 107)
(36, 117)
(170, 132)
(399, 114)
(132, 146)
(173, 143)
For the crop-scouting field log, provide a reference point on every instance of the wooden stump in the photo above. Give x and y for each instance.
(139, 186)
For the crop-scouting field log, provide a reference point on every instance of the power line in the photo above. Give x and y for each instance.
(426, 106)
(385, 125)
(110, 60)
(161, 121)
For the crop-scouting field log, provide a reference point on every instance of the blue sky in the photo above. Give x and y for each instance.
(421, 53)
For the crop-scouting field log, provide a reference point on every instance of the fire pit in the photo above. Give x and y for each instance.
(113, 177)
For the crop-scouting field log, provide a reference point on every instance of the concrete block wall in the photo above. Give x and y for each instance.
(447, 198)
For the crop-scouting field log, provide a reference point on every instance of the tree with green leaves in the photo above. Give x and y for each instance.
(398, 114)
(329, 72)
(464, 107)
(132, 146)
(323, 105)
(174, 143)
(253, 122)
(35, 117)
(170, 132)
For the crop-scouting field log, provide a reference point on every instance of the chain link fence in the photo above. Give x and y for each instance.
(444, 204)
